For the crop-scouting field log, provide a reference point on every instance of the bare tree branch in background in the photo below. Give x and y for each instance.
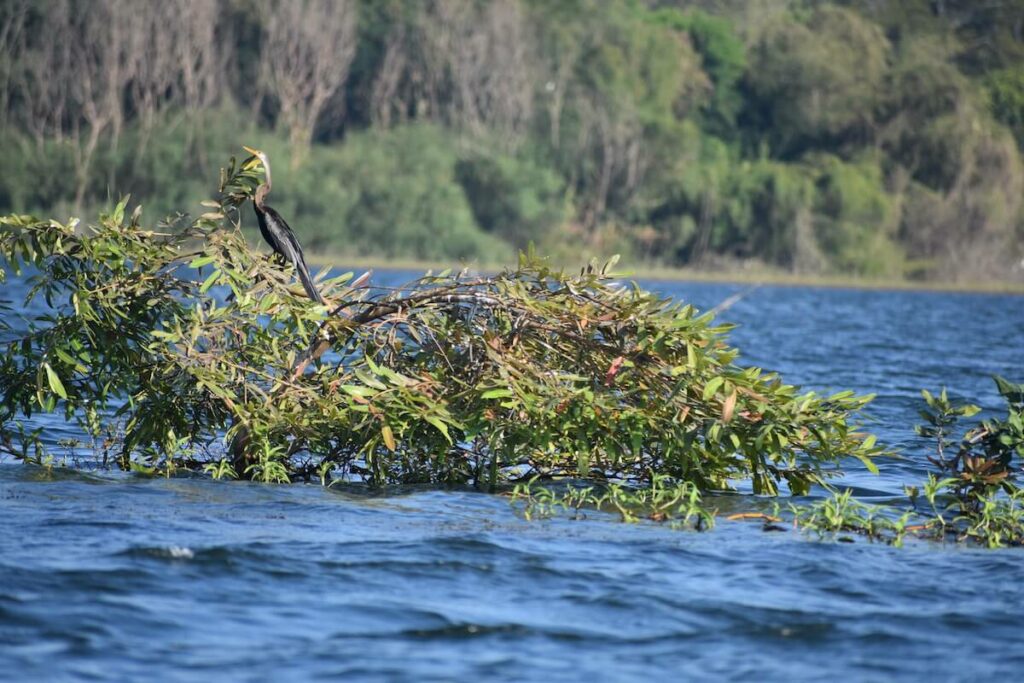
(411, 79)
(597, 132)
(491, 70)
(428, 76)
(152, 44)
(38, 90)
(307, 49)
(465, 64)
(611, 136)
(13, 15)
(177, 64)
(384, 93)
(101, 68)
(560, 61)
(203, 62)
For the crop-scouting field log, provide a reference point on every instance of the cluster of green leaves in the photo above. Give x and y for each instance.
(1006, 99)
(972, 500)
(973, 497)
(990, 519)
(451, 379)
(987, 454)
(662, 500)
(841, 513)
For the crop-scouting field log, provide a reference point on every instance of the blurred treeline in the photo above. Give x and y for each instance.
(869, 137)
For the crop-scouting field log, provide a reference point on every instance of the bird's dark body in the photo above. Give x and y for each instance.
(282, 240)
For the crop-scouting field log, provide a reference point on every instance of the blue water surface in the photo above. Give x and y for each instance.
(107, 576)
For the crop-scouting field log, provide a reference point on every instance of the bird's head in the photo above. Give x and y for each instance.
(257, 155)
(250, 163)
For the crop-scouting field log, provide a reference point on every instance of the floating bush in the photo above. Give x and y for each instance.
(210, 356)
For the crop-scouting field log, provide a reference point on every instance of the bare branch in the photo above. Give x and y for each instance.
(305, 56)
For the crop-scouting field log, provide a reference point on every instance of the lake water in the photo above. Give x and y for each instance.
(106, 576)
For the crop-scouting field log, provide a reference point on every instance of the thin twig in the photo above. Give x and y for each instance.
(730, 301)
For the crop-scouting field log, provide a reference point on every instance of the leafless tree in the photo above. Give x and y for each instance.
(13, 15)
(610, 150)
(385, 91)
(411, 81)
(467, 64)
(70, 78)
(38, 84)
(491, 69)
(559, 62)
(202, 62)
(151, 44)
(307, 48)
(100, 69)
(177, 66)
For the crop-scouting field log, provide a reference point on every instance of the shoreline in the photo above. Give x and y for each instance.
(665, 274)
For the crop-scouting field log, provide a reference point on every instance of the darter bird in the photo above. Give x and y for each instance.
(276, 231)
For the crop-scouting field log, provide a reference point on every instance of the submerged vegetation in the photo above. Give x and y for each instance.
(205, 355)
(971, 498)
(662, 500)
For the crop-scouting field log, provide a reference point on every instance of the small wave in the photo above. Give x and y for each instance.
(466, 630)
(171, 552)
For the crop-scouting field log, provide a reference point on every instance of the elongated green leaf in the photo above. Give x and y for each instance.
(868, 463)
(497, 393)
(208, 282)
(55, 384)
(712, 386)
(370, 381)
(440, 425)
(358, 390)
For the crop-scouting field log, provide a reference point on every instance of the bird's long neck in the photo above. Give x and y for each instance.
(261, 196)
(266, 167)
(264, 189)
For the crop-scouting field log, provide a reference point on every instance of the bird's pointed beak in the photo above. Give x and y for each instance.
(251, 161)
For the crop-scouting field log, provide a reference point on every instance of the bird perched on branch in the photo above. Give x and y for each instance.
(276, 231)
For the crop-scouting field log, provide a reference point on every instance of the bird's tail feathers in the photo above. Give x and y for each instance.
(307, 281)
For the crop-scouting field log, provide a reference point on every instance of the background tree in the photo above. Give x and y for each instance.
(305, 53)
(818, 83)
(864, 137)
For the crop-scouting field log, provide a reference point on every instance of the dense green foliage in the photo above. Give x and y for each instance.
(662, 500)
(451, 379)
(972, 497)
(859, 137)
